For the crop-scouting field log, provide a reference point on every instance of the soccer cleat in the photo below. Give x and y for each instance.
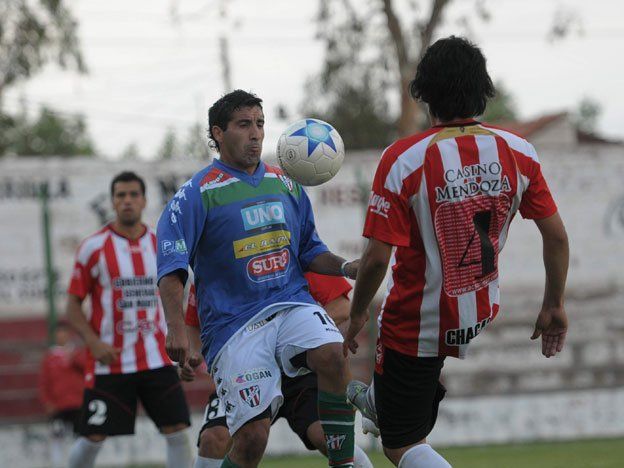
(358, 396)
(369, 427)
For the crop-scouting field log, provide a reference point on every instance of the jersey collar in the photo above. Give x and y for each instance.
(459, 123)
(253, 180)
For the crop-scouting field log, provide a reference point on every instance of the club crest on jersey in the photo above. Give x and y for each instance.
(250, 395)
(335, 441)
(288, 183)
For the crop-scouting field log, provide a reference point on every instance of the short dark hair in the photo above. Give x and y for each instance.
(126, 176)
(220, 113)
(452, 79)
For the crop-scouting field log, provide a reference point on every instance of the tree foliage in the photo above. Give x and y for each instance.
(195, 146)
(49, 134)
(34, 33)
(501, 108)
(373, 49)
(587, 114)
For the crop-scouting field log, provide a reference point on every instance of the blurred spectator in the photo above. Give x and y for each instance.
(61, 386)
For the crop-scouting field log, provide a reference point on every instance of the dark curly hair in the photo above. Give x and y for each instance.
(220, 113)
(452, 79)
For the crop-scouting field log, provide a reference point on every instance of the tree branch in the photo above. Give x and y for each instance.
(426, 34)
(396, 33)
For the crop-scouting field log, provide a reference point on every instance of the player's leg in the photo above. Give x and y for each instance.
(109, 408)
(248, 380)
(160, 391)
(362, 396)
(214, 439)
(300, 409)
(309, 329)
(407, 395)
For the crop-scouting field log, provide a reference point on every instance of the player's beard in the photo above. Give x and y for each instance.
(129, 220)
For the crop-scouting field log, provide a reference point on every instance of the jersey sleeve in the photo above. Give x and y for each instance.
(537, 201)
(387, 215)
(325, 289)
(310, 245)
(179, 230)
(190, 317)
(82, 281)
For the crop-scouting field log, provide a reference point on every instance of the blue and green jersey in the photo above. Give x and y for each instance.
(248, 239)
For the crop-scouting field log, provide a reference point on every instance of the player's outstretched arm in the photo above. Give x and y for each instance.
(331, 264)
(101, 351)
(372, 270)
(552, 322)
(172, 295)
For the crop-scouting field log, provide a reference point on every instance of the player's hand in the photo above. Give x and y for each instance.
(357, 323)
(187, 372)
(103, 352)
(351, 269)
(552, 326)
(177, 343)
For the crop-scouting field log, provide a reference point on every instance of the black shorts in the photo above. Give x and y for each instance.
(407, 395)
(109, 407)
(300, 407)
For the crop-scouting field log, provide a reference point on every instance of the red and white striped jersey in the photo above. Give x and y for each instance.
(120, 276)
(445, 199)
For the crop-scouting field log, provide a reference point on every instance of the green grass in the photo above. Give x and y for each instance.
(607, 453)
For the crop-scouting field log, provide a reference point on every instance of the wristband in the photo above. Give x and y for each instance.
(342, 268)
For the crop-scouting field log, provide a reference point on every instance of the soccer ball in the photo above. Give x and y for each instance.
(310, 151)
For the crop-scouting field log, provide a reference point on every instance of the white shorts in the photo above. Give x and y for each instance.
(248, 369)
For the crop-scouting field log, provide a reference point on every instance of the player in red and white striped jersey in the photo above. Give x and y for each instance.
(440, 209)
(125, 333)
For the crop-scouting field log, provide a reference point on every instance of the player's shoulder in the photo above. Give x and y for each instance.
(277, 172)
(211, 177)
(412, 147)
(93, 243)
(514, 140)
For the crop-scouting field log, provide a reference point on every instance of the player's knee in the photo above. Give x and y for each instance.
(214, 442)
(328, 360)
(250, 442)
(174, 428)
(96, 437)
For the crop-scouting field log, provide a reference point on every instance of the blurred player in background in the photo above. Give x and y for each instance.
(248, 233)
(441, 205)
(125, 333)
(300, 393)
(61, 385)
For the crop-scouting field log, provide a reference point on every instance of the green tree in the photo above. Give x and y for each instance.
(587, 114)
(50, 134)
(170, 147)
(501, 108)
(34, 33)
(196, 144)
(131, 153)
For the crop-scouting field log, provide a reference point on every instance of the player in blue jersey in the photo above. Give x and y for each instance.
(248, 233)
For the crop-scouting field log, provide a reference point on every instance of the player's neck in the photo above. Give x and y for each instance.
(129, 231)
(435, 122)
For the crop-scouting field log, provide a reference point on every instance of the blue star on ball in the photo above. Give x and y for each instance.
(316, 132)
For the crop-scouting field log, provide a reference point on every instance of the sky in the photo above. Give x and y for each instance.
(154, 64)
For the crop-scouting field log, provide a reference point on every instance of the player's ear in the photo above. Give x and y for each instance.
(217, 133)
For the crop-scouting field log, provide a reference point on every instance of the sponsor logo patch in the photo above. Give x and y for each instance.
(262, 215)
(268, 266)
(335, 441)
(252, 375)
(378, 205)
(262, 243)
(250, 395)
